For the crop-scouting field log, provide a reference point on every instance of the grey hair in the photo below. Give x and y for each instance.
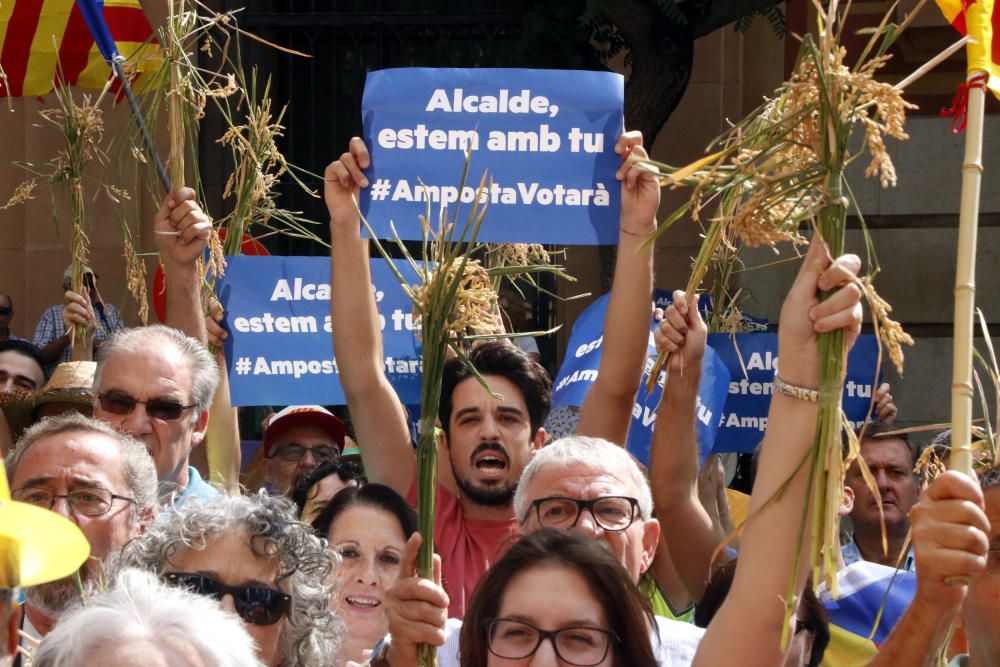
(139, 608)
(598, 454)
(145, 340)
(137, 465)
(312, 634)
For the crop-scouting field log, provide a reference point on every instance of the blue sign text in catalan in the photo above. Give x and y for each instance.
(545, 138)
(280, 348)
(752, 359)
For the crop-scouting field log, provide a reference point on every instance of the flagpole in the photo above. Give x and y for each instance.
(140, 122)
(965, 280)
(93, 16)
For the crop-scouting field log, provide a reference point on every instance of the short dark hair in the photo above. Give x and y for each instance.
(990, 479)
(378, 496)
(811, 611)
(627, 610)
(502, 359)
(884, 432)
(300, 494)
(24, 348)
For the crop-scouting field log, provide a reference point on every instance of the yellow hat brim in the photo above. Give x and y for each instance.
(37, 545)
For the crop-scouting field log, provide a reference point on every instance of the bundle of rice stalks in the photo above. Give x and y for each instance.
(456, 302)
(185, 87)
(783, 167)
(81, 126)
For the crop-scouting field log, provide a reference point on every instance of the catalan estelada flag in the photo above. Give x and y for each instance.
(39, 36)
(980, 20)
(863, 587)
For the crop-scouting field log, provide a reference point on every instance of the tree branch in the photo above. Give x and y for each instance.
(706, 16)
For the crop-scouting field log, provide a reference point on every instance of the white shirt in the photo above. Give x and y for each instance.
(674, 643)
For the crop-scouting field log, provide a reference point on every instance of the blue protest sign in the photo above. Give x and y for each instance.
(664, 298)
(744, 419)
(280, 349)
(546, 138)
(580, 368)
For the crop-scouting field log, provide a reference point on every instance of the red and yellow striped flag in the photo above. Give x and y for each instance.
(980, 20)
(38, 35)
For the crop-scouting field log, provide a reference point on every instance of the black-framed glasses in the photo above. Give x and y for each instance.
(89, 501)
(609, 512)
(576, 645)
(6, 310)
(258, 605)
(294, 452)
(118, 403)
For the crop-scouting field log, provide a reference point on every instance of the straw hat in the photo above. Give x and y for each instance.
(71, 382)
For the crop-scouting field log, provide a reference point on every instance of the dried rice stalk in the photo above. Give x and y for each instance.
(25, 191)
(890, 333)
(456, 302)
(782, 166)
(475, 302)
(82, 128)
(135, 278)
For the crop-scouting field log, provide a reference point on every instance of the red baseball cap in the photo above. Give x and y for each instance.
(299, 415)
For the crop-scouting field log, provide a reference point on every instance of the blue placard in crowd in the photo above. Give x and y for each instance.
(579, 371)
(545, 137)
(744, 419)
(280, 349)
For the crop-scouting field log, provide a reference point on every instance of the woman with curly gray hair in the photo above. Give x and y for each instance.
(253, 556)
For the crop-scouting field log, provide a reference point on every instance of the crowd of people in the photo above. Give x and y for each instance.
(560, 551)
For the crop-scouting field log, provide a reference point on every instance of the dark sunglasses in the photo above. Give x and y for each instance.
(258, 605)
(6, 310)
(157, 408)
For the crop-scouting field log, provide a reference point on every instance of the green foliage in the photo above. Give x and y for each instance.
(775, 18)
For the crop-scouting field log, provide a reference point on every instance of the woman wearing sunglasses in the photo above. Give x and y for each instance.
(253, 556)
(555, 598)
(367, 527)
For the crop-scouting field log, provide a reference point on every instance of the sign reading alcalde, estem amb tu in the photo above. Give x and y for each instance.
(545, 138)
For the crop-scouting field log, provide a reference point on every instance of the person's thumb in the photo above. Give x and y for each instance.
(695, 320)
(410, 553)
(813, 265)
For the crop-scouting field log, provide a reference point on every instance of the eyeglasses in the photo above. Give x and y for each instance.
(609, 512)
(293, 453)
(88, 502)
(258, 605)
(6, 310)
(118, 403)
(578, 645)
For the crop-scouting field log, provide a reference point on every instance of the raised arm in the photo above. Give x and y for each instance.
(182, 232)
(950, 541)
(376, 412)
(607, 408)
(687, 527)
(751, 619)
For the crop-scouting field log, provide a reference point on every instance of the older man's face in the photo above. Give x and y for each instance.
(892, 467)
(164, 376)
(77, 461)
(634, 546)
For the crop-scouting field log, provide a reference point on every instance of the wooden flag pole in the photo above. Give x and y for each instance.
(176, 115)
(965, 281)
